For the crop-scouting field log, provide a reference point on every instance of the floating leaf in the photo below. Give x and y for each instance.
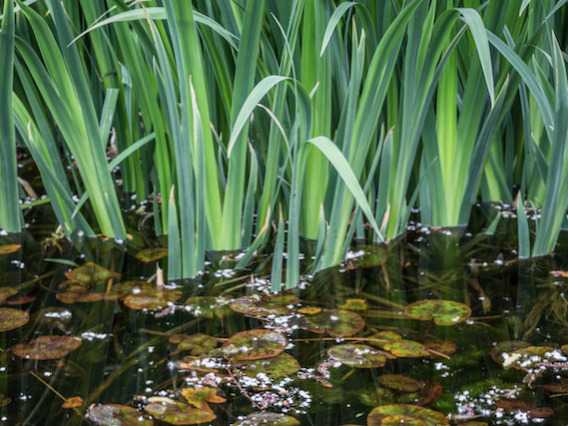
(90, 274)
(429, 417)
(276, 367)
(9, 248)
(151, 254)
(151, 299)
(501, 350)
(309, 310)
(198, 397)
(19, 300)
(443, 312)
(355, 305)
(79, 294)
(124, 288)
(401, 419)
(52, 318)
(407, 349)
(208, 306)
(117, 415)
(197, 343)
(267, 419)
(440, 345)
(529, 407)
(254, 344)
(11, 318)
(179, 413)
(526, 358)
(6, 292)
(430, 392)
(73, 402)
(47, 347)
(263, 305)
(399, 382)
(561, 387)
(336, 322)
(359, 356)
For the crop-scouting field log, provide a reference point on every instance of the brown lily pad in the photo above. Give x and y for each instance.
(11, 318)
(276, 367)
(115, 414)
(73, 402)
(208, 306)
(407, 349)
(197, 343)
(561, 387)
(267, 419)
(151, 299)
(6, 292)
(399, 382)
(124, 288)
(443, 312)
(90, 274)
(151, 254)
(529, 407)
(359, 356)
(79, 294)
(429, 417)
(254, 344)
(47, 347)
(445, 347)
(179, 413)
(430, 392)
(336, 322)
(9, 248)
(19, 300)
(263, 305)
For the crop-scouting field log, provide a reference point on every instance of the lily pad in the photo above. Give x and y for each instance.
(197, 343)
(267, 419)
(430, 392)
(263, 305)
(354, 305)
(6, 292)
(151, 254)
(79, 294)
(47, 347)
(443, 312)
(254, 344)
(501, 350)
(407, 349)
(336, 322)
(526, 358)
(11, 318)
(53, 318)
(561, 387)
(9, 248)
(276, 367)
(359, 356)
(115, 414)
(199, 397)
(124, 288)
(208, 306)
(73, 402)
(445, 347)
(179, 413)
(429, 417)
(19, 300)
(151, 299)
(90, 274)
(401, 419)
(399, 382)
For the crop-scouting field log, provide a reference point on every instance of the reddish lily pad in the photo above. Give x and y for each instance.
(336, 322)
(407, 349)
(254, 344)
(197, 343)
(443, 312)
(151, 254)
(73, 402)
(19, 300)
(11, 318)
(9, 248)
(429, 417)
(400, 419)
(263, 305)
(151, 299)
(430, 392)
(529, 407)
(208, 306)
(561, 387)
(47, 347)
(267, 419)
(279, 366)
(90, 274)
(359, 356)
(179, 413)
(399, 382)
(6, 292)
(115, 414)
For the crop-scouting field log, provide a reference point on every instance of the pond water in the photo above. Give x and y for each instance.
(353, 345)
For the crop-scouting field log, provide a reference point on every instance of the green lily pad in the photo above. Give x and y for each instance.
(336, 322)
(117, 415)
(151, 299)
(267, 419)
(407, 349)
(263, 305)
(359, 356)
(179, 413)
(124, 288)
(276, 367)
(197, 343)
(90, 274)
(47, 347)
(254, 344)
(151, 254)
(355, 305)
(526, 358)
(443, 312)
(11, 318)
(400, 419)
(208, 306)
(399, 382)
(429, 417)
(9, 248)
(6, 292)
(383, 337)
(79, 294)
(501, 350)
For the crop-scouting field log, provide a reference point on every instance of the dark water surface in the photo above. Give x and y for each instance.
(469, 372)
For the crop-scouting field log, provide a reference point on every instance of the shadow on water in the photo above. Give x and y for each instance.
(355, 344)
